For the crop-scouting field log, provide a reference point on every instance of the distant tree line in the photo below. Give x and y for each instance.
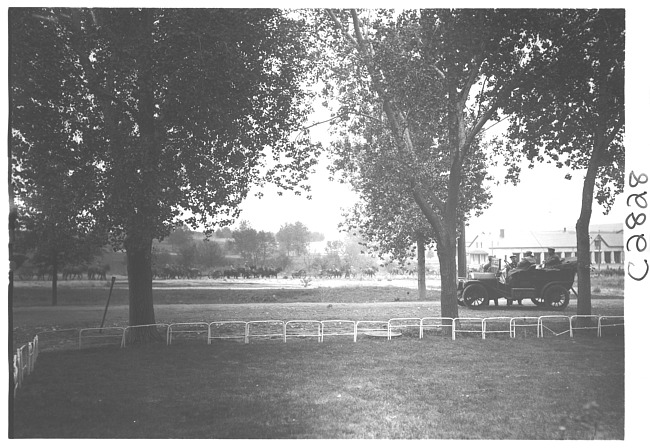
(187, 254)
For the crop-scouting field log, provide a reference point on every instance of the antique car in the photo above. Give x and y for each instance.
(545, 287)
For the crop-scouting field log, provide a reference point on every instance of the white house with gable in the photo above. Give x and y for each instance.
(607, 245)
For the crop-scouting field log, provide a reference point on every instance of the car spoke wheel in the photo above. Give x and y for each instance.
(475, 296)
(556, 297)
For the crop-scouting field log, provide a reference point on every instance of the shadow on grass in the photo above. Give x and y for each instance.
(433, 388)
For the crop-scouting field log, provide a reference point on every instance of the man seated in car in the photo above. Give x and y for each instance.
(527, 261)
(488, 265)
(552, 259)
(512, 263)
(523, 265)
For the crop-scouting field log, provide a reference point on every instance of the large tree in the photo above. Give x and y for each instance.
(389, 221)
(50, 176)
(387, 217)
(574, 116)
(176, 111)
(433, 80)
(293, 238)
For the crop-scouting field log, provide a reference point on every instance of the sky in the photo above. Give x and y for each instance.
(543, 199)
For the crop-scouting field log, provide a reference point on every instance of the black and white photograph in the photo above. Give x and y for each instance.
(256, 222)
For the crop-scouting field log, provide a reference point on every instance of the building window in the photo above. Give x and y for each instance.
(608, 257)
(617, 257)
(597, 257)
(568, 254)
(538, 257)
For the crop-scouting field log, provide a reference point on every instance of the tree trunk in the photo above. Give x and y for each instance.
(55, 278)
(12, 266)
(139, 238)
(422, 281)
(448, 279)
(582, 232)
(462, 254)
(446, 247)
(584, 266)
(141, 311)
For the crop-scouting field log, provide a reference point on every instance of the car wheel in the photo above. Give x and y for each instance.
(556, 297)
(475, 296)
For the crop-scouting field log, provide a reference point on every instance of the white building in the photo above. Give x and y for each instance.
(607, 245)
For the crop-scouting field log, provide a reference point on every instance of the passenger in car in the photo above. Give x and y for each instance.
(552, 259)
(527, 261)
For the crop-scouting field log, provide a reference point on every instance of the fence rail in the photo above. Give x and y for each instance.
(23, 362)
(337, 327)
(601, 325)
(227, 329)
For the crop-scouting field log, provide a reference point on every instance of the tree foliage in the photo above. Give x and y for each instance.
(574, 116)
(420, 87)
(170, 111)
(293, 238)
(180, 236)
(255, 246)
(576, 109)
(50, 179)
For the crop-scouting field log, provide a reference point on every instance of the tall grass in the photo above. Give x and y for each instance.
(616, 282)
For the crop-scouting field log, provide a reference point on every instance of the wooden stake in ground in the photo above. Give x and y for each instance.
(108, 301)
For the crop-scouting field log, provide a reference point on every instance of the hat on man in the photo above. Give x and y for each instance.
(528, 254)
(551, 250)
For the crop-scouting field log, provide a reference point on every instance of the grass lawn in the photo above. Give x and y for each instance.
(498, 388)
(379, 303)
(435, 388)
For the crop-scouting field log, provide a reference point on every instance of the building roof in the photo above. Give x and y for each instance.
(478, 252)
(606, 228)
(562, 240)
(534, 239)
(612, 239)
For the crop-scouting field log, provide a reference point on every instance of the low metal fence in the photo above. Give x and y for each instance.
(23, 362)
(26, 355)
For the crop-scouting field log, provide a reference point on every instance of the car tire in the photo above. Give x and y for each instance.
(475, 296)
(556, 297)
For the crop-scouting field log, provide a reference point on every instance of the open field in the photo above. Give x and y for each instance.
(292, 290)
(81, 304)
(407, 388)
(86, 292)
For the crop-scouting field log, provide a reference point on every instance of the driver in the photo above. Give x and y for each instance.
(524, 264)
(488, 265)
